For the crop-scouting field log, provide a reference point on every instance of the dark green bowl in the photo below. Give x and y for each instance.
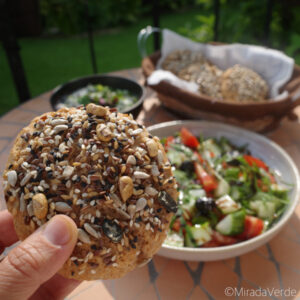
(114, 82)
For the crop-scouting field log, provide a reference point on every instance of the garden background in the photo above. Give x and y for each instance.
(54, 46)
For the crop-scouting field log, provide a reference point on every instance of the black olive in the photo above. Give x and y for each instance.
(187, 166)
(112, 230)
(167, 201)
(235, 162)
(205, 205)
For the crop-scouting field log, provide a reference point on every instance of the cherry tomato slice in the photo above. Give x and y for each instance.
(188, 138)
(252, 161)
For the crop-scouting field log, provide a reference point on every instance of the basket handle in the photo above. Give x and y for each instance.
(143, 37)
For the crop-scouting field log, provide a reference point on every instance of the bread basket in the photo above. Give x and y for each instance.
(260, 117)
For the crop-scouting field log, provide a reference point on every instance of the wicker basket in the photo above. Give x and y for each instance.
(258, 117)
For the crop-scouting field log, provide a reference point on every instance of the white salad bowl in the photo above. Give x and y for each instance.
(259, 146)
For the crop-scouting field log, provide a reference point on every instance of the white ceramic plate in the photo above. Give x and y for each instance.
(259, 146)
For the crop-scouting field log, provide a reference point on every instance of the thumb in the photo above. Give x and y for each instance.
(37, 258)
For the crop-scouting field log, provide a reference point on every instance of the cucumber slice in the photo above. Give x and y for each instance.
(227, 205)
(200, 234)
(232, 224)
(193, 195)
(235, 193)
(176, 157)
(188, 239)
(174, 239)
(211, 146)
(264, 210)
(182, 178)
(223, 187)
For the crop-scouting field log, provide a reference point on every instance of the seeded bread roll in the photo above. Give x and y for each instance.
(104, 171)
(243, 85)
(180, 59)
(206, 75)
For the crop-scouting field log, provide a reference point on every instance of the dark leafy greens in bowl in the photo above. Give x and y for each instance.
(226, 194)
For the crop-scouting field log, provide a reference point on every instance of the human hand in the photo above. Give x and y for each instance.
(29, 270)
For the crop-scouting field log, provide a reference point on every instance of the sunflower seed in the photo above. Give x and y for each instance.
(152, 147)
(83, 237)
(154, 170)
(25, 179)
(140, 204)
(62, 207)
(89, 229)
(22, 203)
(141, 175)
(160, 157)
(131, 160)
(116, 199)
(58, 122)
(12, 177)
(59, 128)
(151, 191)
(68, 171)
(122, 213)
(131, 210)
(137, 131)
(30, 209)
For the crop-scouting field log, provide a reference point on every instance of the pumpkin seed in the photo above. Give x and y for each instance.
(167, 201)
(112, 230)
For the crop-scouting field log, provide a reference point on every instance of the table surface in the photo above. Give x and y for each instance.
(273, 266)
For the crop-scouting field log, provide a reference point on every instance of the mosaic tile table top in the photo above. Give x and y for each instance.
(272, 271)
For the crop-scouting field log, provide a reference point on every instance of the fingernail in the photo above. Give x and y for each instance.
(58, 231)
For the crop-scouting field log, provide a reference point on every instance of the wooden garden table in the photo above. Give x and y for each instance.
(273, 266)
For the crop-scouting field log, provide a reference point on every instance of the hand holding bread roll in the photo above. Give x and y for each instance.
(104, 171)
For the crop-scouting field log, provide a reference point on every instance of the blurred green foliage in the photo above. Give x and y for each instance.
(240, 21)
(70, 16)
(245, 22)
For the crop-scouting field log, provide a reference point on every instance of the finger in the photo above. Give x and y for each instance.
(8, 234)
(56, 288)
(37, 259)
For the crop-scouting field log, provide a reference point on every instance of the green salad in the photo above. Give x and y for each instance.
(101, 95)
(226, 195)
